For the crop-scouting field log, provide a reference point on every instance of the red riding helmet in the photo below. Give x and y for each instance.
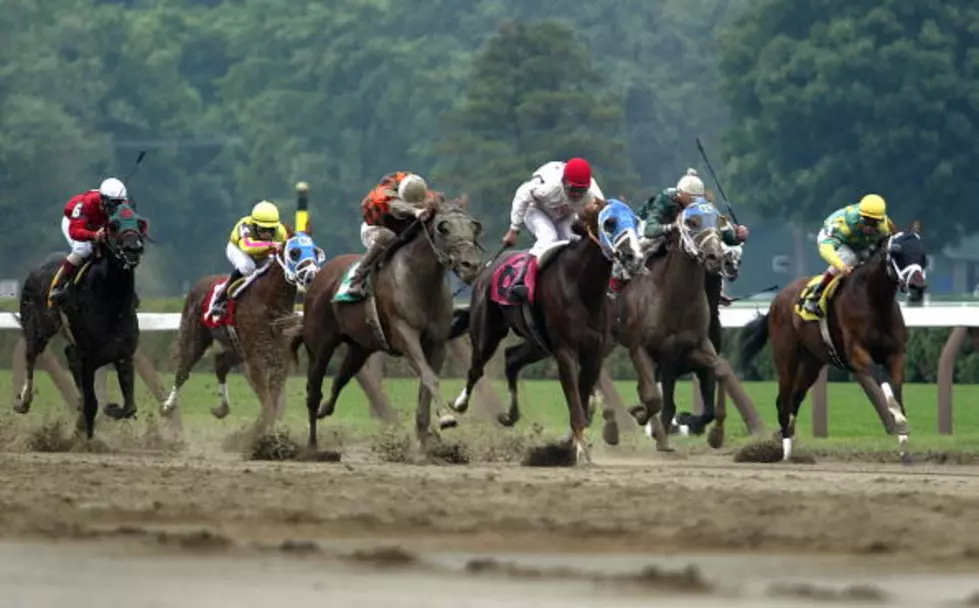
(577, 173)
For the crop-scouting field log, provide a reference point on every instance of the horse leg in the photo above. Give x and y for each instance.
(126, 376)
(90, 403)
(75, 367)
(486, 330)
(666, 419)
(318, 361)
(223, 362)
(787, 365)
(892, 387)
(355, 359)
(410, 339)
(191, 348)
(649, 395)
(435, 355)
(34, 346)
(568, 371)
(704, 361)
(516, 358)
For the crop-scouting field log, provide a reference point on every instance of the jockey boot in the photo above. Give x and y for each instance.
(62, 281)
(358, 282)
(812, 303)
(220, 304)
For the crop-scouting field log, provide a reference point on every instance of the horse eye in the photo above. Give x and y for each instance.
(443, 227)
(294, 254)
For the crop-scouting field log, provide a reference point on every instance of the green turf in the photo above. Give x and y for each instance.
(853, 423)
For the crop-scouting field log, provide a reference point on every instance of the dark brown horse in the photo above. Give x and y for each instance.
(568, 319)
(863, 331)
(407, 313)
(251, 336)
(663, 318)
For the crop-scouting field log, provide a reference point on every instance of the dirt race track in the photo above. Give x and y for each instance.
(696, 530)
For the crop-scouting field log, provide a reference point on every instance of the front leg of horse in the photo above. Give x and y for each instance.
(893, 392)
(126, 374)
(704, 360)
(649, 395)
(568, 369)
(90, 402)
(429, 381)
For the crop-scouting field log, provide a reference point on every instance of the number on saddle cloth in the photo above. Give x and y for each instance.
(521, 269)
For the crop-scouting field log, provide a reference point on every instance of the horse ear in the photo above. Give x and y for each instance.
(289, 231)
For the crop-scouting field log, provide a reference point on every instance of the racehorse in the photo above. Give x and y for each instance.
(663, 319)
(97, 318)
(862, 330)
(247, 332)
(407, 312)
(566, 314)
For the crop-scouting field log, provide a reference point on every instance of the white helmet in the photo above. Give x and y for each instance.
(412, 189)
(113, 189)
(691, 184)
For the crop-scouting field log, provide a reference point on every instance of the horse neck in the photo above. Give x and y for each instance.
(117, 284)
(274, 290)
(874, 277)
(591, 271)
(683, 274)
(425, 266)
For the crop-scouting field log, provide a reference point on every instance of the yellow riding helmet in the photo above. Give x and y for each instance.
(873, 206)
(265, 215)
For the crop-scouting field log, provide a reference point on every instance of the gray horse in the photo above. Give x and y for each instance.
(408, 310)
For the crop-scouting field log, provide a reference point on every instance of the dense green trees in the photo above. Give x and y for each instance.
(237, 99)
(832, 99)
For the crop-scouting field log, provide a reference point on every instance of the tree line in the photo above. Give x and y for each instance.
(806, 104)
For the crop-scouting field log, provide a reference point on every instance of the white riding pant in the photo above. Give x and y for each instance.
(240, 260)
(547, 230)
(848, 255)
(369, 234)
(80, 250)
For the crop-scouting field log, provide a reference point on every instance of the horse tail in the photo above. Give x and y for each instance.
(754, 335)
(460, 323)
(292, 332)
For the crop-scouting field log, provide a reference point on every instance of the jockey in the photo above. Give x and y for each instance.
(548, 201)
(847, 237)
(86, 216)
(388, 210)
(253, 238)
(660, 211)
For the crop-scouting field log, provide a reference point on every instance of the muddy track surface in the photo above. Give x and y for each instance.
(924, 516)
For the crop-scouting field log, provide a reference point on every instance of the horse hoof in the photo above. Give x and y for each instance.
(117, 412)
(715, 438)
(610, 433)
(326, 409)
(447, 421)
(639, 413)
(906, 458)
(221, 411)
(21, 407)
(505, 420)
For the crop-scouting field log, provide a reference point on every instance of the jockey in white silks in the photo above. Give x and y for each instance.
(548, 202)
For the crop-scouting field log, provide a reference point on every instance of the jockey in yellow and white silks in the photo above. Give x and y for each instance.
(253, 238)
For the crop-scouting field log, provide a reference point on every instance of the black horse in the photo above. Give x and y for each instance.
(97, 317)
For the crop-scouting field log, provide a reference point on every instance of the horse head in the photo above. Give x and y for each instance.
(124, 236)
(454, 236)
(300, 260)
(906, 260)
(699, 234)
(618, 235)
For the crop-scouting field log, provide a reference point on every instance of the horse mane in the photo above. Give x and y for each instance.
(588, 216)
